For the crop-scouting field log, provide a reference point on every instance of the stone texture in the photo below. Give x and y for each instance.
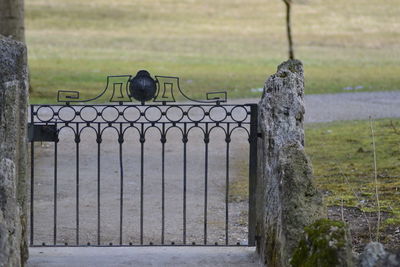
(375, 255)
(372, 253)
(285, 182)
(13, 153)
(391, 260)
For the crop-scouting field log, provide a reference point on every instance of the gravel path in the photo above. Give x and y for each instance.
(319, 108)
(352, 106)
(348, 106)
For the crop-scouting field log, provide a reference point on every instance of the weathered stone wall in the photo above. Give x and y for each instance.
(13, 153)
(285, 182)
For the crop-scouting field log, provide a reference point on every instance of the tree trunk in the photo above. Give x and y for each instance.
(288, 4)
(12, 19)
(12, 23)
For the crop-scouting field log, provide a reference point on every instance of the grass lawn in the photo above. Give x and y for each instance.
(342, 157)
(228, 45)
(343, 162)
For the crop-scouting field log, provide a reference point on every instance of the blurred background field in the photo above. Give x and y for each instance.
(211, 45)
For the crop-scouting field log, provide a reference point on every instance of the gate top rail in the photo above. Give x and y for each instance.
(138, 114)
(157, 104)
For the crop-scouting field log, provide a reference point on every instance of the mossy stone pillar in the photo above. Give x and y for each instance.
(289, 199)
(13, 153)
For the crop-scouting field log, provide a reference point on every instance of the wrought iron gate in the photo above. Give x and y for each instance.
(162, 119)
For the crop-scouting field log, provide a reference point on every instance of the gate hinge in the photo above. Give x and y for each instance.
(42, 132)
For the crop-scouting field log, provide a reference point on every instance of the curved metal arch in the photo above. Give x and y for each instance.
(87, 126)
(66, 126)
(36, 113)
(152, 107)
(134, 107)
(239, 127)
(217, 126)
(81, 114)
(173, 126)
(212, 97)
(152, 126)
(130, 127)
(67, 96)
(196, 126)
(68, 109)
(245, 109)
(114, 107)
(108, 127)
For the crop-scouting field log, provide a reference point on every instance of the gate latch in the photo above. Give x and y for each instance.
(42, 133)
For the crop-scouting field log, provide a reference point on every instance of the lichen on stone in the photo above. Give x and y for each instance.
(325, 244)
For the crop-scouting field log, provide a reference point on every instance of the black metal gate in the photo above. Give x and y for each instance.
(151, 124)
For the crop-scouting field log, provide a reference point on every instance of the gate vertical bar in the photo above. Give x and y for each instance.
(32, 180)
(77, 137)
(55, 193)
(142, 140)
(121, 167)
(163, 140)
(185, 140)
(206, 141)
(252, 173)
(227, 140)
(98, 182)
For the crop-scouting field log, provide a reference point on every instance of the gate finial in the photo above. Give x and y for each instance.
(142, 87)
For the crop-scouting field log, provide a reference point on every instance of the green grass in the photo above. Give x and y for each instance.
(343, 150)
(212, 45)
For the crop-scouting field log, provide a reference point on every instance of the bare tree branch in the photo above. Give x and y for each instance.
(288, 4)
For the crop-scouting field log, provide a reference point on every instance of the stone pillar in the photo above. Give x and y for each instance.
(289, 199)
(13, 153)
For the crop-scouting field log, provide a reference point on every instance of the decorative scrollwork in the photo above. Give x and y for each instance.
(126, 88)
